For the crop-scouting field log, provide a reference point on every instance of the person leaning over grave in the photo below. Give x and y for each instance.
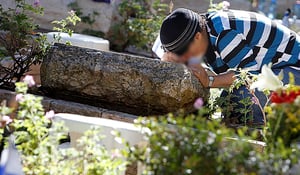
(231, 40)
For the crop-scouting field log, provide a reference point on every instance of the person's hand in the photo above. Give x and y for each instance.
(200, 73)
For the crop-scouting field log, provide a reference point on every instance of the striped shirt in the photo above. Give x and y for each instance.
(240, 39)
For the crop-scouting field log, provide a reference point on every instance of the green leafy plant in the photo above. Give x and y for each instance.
(37, 137)
(191, 145)
(20, 46)
(237, 113)
(284, 116)
(17, 40)
(194, 145)
(63, 25)
(141, 21)
(88, 19)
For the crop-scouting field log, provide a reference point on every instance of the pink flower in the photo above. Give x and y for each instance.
(226, 5)
(36, 3)
(19, 97)
(50, 114)
(6, 119)
(29, 80)
(198, 103)
(18, 11)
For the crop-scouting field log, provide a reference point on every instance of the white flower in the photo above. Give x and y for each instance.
(267, 80)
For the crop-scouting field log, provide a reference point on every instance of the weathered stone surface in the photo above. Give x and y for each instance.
(61, 106)
(121, 82)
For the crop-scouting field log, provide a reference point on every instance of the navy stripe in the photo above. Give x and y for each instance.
(235, 51)
(291, 43)
(221, 36)
(253, 25)
(272, 35)
(210, 55)
(277, 56)
(298, 63)
(250, 58)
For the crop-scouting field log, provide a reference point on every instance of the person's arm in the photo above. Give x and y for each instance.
(220, 81)
(224, 80)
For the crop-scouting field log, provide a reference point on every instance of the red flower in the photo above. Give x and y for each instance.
(284, 96)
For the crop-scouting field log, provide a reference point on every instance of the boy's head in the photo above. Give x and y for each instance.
(183, 33)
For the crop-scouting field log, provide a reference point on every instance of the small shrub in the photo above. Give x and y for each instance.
(140, 24)
(191, 145)
(17, 40)
(20, 46)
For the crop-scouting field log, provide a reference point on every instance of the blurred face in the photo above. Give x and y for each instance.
(197, 48)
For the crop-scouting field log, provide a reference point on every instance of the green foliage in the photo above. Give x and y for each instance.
(140, 24)
(284, 121)
(193, 145)
(88, 19)
(90, 158)
(238, 113)
(30, 124)
(17, 40)
(63, 25)
(215, 7)
(20, 46)
(37, 138)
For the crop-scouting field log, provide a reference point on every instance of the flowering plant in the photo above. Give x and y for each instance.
(283, 112)
(284, 115)
(37, 138)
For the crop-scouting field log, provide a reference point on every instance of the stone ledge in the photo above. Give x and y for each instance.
(61, 106)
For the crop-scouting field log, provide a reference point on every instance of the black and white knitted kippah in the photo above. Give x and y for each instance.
(178, 30)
